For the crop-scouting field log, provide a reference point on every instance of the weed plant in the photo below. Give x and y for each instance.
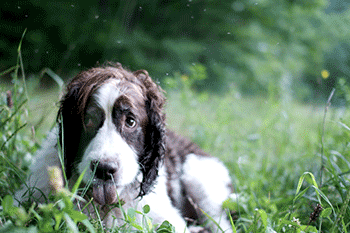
(289, 162)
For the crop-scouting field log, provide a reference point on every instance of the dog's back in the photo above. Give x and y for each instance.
(197, 182)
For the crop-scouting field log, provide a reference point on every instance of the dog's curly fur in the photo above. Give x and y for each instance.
(111, 121)
(78, 92)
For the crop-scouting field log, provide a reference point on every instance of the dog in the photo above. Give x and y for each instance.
(111, 125)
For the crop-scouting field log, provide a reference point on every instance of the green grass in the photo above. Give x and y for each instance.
(266, 145)
(272, 149)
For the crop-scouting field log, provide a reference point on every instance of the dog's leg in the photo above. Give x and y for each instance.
(207, 184)
(161, 206)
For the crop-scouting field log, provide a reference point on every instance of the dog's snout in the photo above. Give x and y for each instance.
(103, 170)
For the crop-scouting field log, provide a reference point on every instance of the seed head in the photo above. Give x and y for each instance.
(9, 99)
(314, 215)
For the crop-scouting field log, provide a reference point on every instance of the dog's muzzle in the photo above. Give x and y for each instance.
(104, 183)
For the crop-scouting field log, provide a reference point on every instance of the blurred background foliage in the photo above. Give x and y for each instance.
(293, 48)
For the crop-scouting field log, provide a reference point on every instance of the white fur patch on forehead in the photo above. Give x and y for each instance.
(107, 93)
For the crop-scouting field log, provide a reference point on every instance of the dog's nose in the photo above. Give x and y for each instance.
(103, 170)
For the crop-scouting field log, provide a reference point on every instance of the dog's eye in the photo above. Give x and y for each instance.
(92, 123)
(94, 118)
(130, 122)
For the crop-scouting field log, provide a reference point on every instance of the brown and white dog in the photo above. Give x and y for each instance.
(111, 122)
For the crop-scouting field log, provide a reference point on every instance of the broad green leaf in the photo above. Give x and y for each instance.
(146, 209)
(77, 216)
(263, 216)
(326, 212)
(166, 227)
(58, 217)
(308, 228)
(7, 205)
(137, 226)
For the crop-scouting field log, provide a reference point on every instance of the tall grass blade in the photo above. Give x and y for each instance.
(88, 225)
(300, 195)
(344, 125)
(234, 230)
(18, 65)
(342, 212)
(323, 132)
(54, 76)
(78, 182)
(12, 135)
(9, 70)
(305, 176)
(14, 114)
(211, 219)
(70, 223)
(309, 177)
(321, 194)
(20, 173)
(20, 61)
(60, 145)
(97, 213)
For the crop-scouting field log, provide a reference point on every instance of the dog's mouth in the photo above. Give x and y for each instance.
(104, 188)
(104, 192)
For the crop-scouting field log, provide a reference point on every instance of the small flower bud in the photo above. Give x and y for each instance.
(55, 179)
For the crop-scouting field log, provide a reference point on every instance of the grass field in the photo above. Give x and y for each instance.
(273, 150)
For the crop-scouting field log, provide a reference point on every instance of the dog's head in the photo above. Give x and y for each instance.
(112, 124)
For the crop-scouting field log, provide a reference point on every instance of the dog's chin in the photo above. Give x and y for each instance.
(104, 192)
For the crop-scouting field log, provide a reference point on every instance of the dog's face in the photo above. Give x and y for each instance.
(113, 127)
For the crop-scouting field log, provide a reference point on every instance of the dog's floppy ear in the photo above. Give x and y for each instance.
(70, 116)
(155, 132)
(69, 122)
